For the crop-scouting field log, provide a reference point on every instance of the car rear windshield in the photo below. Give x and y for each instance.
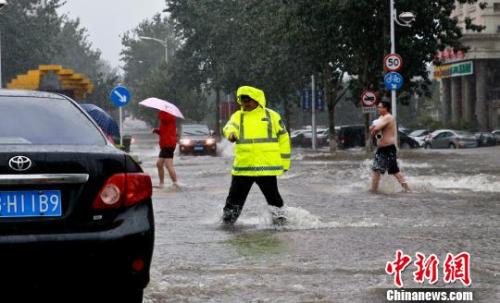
(29, 120)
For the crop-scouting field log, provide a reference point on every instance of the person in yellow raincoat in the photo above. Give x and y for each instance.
(262, 153)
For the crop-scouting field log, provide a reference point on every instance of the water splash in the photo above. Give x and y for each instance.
(447, 182)
(298, 218)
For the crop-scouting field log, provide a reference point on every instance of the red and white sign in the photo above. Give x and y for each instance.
(393, 62)
(368, 98)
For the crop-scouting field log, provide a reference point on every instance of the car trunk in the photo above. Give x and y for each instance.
(73, 174)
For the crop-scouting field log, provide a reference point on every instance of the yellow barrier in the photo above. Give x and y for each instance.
(70, 80)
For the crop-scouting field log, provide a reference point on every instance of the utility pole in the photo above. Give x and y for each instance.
(313, 113)
(393, 51)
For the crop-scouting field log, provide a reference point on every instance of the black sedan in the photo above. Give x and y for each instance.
(75, 212)
(485, 139)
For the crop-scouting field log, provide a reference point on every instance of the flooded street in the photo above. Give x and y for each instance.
(339, 237)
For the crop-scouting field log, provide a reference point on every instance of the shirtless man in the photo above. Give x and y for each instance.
(386, 155)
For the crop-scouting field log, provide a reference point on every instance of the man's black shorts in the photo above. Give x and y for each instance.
(386, 160)
(167, 153)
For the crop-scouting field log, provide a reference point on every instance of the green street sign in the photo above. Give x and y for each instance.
(454, 70)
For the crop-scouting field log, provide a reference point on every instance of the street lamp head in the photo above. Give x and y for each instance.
(407, 18)
(3, 3)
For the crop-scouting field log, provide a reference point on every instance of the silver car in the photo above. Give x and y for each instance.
(419, 135)
(447, 138)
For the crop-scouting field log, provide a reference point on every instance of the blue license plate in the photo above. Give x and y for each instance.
(198, 148)
(34, 203)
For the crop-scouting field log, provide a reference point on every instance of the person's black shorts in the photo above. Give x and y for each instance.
(386, 160)
(167, 153)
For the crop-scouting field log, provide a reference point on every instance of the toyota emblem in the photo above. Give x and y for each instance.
(20, 163)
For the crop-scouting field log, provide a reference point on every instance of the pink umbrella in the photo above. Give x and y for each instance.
(163, 106)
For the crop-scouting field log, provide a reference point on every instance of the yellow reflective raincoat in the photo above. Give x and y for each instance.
(263, 144)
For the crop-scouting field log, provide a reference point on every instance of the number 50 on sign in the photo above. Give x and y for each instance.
(393, 62)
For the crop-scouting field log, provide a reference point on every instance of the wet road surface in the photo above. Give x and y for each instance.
(339, 237)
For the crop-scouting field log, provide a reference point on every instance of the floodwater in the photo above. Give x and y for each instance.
(339, 237)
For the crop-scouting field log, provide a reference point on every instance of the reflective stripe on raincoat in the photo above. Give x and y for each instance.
(263, 144)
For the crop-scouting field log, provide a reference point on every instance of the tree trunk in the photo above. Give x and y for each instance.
(368, 141)
(330, 99)
(217, 112)
(333, 135)
(367, 85)
(287, 113)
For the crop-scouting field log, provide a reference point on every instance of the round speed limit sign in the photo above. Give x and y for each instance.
(393, 62)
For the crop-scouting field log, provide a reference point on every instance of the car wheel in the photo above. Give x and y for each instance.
(427, 146)
(405, 145)
(452, 146)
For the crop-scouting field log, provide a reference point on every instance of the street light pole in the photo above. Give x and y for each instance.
(313, 113)
(1, 86)
(3, 3)
(393, 51)
(405, 20)
(164, 43)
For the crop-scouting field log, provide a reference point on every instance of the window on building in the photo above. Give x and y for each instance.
(496, 7)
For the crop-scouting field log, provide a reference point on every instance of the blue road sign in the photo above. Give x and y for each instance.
(307, 100)
(393, 81)
(120, 96)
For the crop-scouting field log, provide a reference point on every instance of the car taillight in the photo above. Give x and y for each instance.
(124, 189)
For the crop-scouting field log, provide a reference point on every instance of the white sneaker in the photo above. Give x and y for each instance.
(278, 215)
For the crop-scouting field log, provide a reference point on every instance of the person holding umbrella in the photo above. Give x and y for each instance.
(167, 131)
(168, 137)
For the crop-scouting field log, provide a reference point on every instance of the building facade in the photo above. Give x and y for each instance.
(470, 81)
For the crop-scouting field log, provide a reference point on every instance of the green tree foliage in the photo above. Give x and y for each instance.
(29, 35)
(368, 40)
(33, 34)
(277, 45)
(147, 74)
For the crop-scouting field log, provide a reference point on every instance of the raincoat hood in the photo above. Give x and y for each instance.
(254, 93)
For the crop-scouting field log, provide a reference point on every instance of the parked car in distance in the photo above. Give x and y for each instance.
(447, 138)
(322, 135)
(405, 130)
(297, 136)
(197, 139)
(419, 135)
(349, 136)
(485, 139)
(79, 211)
(407, 142)
(496, 133)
